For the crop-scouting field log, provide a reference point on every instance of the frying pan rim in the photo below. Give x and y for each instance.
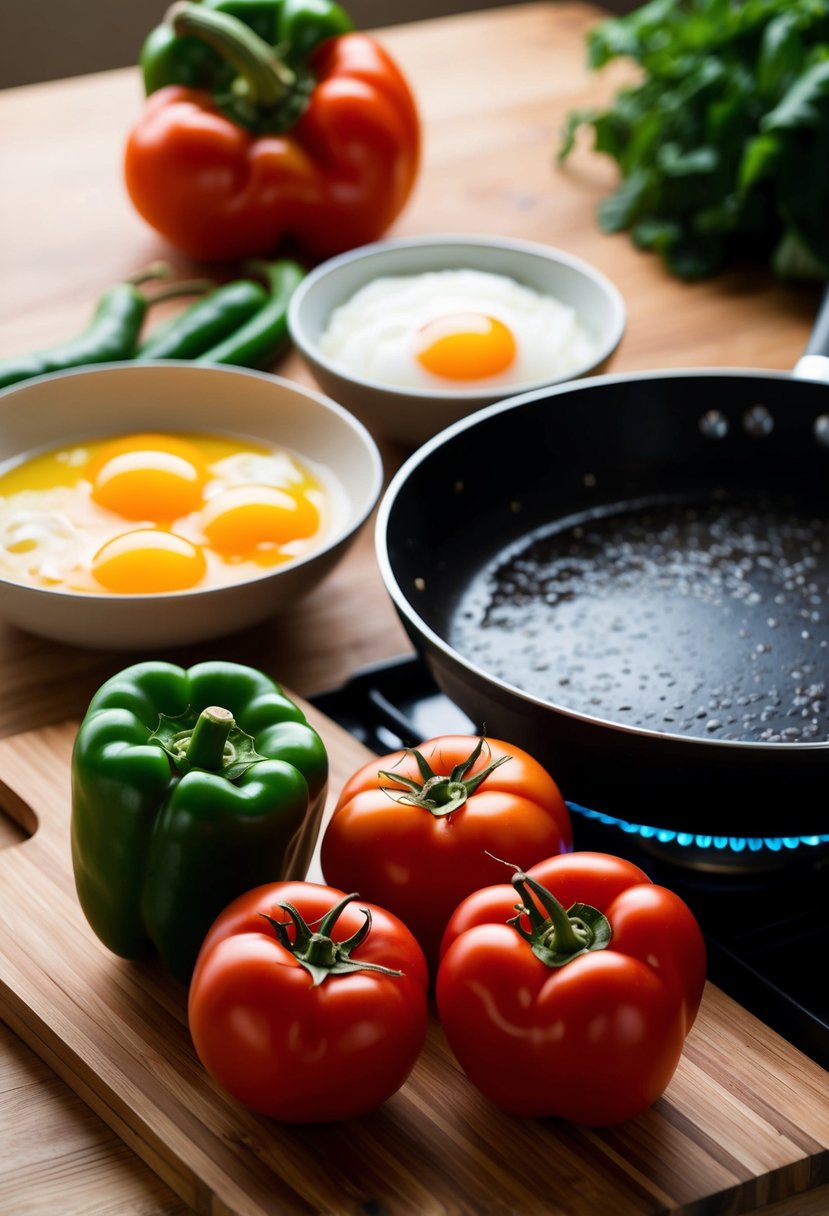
(410, 615)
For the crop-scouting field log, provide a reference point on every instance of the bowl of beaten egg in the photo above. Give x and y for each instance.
(412, 334)
(165, 504)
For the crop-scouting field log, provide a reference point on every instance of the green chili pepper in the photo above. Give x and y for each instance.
(206, 322)
(189, 787)
(297, 27)
(258, 342)
(111, 335)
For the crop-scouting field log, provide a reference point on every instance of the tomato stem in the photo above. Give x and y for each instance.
(441, 794)
(320, 954)
(557, 936)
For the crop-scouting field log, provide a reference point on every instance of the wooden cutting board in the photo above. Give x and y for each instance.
(745, 1120)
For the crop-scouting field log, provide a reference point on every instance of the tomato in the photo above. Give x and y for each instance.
(417, 830)
(306, 1005)
(580, 1014)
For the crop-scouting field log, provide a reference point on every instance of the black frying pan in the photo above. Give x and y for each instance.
(629, 577)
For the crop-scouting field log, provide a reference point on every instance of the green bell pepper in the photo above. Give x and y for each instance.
(189, 788)
(295, 27)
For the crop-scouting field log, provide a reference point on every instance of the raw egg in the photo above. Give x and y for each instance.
(148, 561)
(455, 330)
(157, 477)
(152, 513)
(245, 521)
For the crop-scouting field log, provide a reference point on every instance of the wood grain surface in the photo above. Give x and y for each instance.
(493, 89)
(117, 1032)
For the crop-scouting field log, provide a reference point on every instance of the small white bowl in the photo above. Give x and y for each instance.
(411, 415)
(119, 398)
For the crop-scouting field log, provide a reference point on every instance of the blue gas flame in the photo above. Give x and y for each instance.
(722, 844)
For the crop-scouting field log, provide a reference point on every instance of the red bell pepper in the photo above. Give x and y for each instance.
(580, 1014)
(324, 151)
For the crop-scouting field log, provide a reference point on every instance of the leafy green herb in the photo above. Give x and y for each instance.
(722, 141)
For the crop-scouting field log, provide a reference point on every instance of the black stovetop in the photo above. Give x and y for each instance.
(766, 925)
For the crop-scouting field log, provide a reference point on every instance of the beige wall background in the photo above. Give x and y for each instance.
(49, 39)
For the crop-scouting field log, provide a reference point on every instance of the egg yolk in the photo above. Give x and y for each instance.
(244, 521)
(147, 561)
(148, 477)
(465, 346)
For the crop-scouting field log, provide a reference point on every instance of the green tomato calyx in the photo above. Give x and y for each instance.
(209, 740)
(557, 936)
(320, 954)
(440, 794)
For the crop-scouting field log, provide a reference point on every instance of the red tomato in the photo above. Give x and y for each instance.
(418, 836)
(299, 1044)
(593, 1035)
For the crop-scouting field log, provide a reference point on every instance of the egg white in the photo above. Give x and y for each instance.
(48, 536)
(372, 335)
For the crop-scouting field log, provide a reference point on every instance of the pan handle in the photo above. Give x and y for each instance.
(813, 364)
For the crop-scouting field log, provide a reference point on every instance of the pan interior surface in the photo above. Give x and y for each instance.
(648, 556)
(695, 615)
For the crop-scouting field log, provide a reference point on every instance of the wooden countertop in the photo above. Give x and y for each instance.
(493, 89)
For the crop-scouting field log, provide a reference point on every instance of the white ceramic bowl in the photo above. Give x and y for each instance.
(119, 398)
(411, 415)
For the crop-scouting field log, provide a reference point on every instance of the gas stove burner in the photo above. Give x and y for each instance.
(720, 855)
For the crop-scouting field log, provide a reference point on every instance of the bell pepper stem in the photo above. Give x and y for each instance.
(206, 747)
(266, 78)
(208, 740)
(184, 287)
(156, 270)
